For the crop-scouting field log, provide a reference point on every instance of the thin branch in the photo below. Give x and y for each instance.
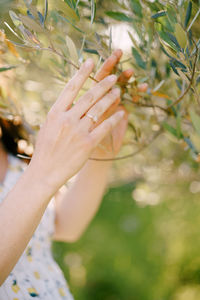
(148, 105)
(191, 81)
(131, 154)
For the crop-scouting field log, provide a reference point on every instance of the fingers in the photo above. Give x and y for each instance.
(92, 96)
(142, 88)
(105, 127)
(108, 65)
(73, 86)
(100, 107)
(125, 76)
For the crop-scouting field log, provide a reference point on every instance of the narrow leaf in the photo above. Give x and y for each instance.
(188, 14)
(170, 129)
(137, 8)
(159, 14)
(119, 16)
(93, 10)
(195, 120)
(141, 63)
(3, 69)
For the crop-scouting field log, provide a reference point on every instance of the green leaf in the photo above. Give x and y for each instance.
(190, 145)
(137, 8)
(3, 69)
(72, 49)
(198, 80)
(195, 120)
(16, 20)
(188, 14)
(45, 10)
(170, 129)
(159, 14)
(93, 10)
(63, 7)
(119, 16)
(171, 14)
(31, 24)
(141, 63)
(180, 35)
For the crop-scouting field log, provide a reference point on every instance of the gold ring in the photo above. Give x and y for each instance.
(93, 118)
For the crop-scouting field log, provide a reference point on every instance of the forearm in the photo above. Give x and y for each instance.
(20, 214)
(77, 207)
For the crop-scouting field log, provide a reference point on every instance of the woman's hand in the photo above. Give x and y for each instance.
(67, 138)
(111, 144)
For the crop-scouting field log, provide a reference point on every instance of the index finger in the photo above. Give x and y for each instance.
(72, 88)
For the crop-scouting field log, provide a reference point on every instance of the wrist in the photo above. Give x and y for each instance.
(35, 179)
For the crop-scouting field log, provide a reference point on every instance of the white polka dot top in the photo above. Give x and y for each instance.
(36, 274)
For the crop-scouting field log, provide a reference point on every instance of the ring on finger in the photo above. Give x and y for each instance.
(93, 118)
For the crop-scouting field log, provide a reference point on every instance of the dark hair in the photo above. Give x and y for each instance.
(11, 131)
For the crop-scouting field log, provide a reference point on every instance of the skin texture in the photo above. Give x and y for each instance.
(63, 146)
(65, 142)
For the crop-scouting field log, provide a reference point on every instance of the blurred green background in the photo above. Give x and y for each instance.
(134, 252)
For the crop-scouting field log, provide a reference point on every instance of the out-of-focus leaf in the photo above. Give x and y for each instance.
(171, 14)
(173, 67)
(171, 52)
(195, 120)
(17, 35)
(57, 15)
(61, 6)
(136, 7)
(93, 10)
(194, 19)
(31, 24)
(45, 10)
(170, 129)
(188, 14)
(133, 40)
(3, 69)
(140, 62)
(174, 40)
(159, 14)
(166, 37)
(72, 49)
(41, 18)
(92, 51)
(119, 16)
(198, 80)
(190, 144)
(16, 20)
(180, 35)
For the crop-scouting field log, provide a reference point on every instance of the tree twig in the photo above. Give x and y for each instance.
(191, 81)
(131, 154)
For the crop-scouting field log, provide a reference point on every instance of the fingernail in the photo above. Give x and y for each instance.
(116, 91)
(89, 62)
(112, 78)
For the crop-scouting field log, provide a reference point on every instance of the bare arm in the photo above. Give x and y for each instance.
(63, 145)
(20, 213)
(78, 205)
